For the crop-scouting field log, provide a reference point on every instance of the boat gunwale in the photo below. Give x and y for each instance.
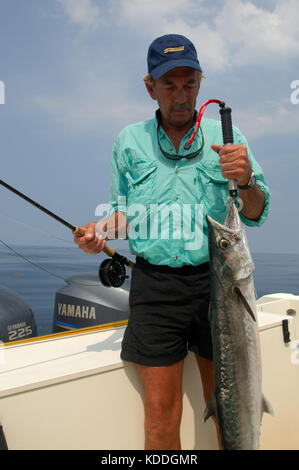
(52, 336)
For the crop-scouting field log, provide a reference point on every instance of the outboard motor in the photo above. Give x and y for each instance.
(86, 302)
(16, 318)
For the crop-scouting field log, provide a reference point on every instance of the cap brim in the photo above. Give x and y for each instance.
(158, 72)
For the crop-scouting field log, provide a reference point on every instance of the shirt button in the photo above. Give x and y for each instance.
(175, 198)
(175, 258)
(177, 171)
(170, 149)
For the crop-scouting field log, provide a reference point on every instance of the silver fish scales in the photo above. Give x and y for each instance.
(238, 402)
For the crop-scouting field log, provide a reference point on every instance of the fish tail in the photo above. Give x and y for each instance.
(266, 406)
(211, 408)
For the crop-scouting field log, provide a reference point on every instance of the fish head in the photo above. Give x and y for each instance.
(229, 252)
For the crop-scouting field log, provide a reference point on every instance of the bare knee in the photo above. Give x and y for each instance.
(162, 405)
(164, 412)
(162, 423)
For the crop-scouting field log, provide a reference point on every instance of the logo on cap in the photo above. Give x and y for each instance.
(174, 49)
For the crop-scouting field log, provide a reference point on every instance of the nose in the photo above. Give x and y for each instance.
(180, 96)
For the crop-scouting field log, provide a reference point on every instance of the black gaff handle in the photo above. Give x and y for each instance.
(228, 138)
(227, 126)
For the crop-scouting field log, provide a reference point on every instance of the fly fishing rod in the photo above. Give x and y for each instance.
(112, 272)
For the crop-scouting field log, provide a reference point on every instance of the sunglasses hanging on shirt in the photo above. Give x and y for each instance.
(187, 146)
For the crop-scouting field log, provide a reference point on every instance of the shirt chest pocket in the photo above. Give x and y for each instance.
(141, 180)
(213, 189)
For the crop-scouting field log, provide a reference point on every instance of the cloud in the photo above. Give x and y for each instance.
(226, 32)
(191, 18)
(230, 36)
(277, 117)
(81, 12)
(98, 103)
(258, 36)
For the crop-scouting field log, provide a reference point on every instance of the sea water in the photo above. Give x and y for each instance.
(37, 272)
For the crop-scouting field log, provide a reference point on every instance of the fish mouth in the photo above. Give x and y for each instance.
(231, 235)
(231, 224)
(219, 226)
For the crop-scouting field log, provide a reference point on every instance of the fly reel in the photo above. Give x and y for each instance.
(112, 272)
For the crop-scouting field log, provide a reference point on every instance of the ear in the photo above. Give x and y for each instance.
(151, 91)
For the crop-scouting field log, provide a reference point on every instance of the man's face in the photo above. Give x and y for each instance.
(176, 93)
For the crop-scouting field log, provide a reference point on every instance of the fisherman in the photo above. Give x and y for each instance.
(169, 294)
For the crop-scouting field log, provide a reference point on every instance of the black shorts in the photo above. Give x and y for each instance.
(168, 314)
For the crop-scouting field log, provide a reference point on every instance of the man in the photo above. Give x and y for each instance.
(169, 294)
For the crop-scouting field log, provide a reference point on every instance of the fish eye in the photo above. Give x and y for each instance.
(224, 244)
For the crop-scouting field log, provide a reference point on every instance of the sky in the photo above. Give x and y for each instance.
(71, 78)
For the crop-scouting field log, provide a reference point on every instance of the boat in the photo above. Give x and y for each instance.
(70, 389)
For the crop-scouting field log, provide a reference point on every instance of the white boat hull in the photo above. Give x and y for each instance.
(74, 392)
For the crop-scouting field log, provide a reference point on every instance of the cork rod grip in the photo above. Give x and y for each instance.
(80, 233)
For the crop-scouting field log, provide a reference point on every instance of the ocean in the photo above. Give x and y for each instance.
(37, 287)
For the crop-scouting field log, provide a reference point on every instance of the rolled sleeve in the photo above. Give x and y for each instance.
(264, 214)
(260, 181)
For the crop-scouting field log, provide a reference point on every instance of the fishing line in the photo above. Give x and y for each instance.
(50, 272)
(32, 227)
(74, 228)
(31, 262)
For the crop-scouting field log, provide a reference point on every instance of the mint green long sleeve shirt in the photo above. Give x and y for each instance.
(166, 201)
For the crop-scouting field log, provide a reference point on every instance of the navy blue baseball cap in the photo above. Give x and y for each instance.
(169, 52)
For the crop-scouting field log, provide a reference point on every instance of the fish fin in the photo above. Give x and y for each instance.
(245, 303)
(211, 408)
(266, 406)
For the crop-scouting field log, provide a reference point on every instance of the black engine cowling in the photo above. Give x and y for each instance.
(16, 317)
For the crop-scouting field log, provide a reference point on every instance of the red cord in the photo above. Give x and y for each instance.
(199, 116)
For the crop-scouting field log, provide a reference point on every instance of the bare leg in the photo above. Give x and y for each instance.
(206, 369)
(162, 405)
